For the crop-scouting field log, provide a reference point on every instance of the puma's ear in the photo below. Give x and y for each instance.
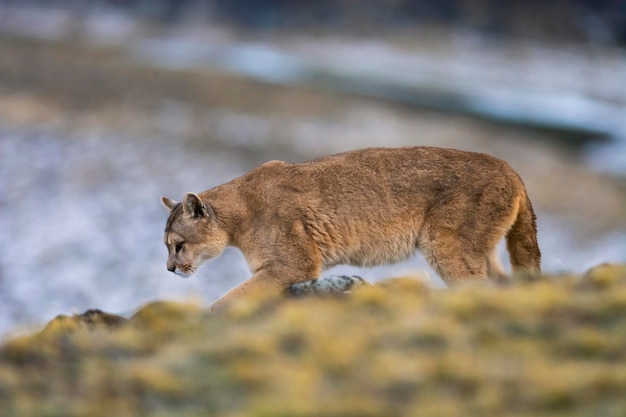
(168, 203)
(194, 206)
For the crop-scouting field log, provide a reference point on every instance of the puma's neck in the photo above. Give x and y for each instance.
(229, 210)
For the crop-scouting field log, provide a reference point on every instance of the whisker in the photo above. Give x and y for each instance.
(200, 275)
(195, 283)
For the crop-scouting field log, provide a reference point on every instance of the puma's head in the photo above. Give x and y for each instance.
(192, 234)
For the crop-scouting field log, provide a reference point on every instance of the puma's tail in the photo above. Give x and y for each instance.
(521, 240)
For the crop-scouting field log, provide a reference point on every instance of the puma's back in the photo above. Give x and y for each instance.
(378, 205)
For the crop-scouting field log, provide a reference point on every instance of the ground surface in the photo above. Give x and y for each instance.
(553, 346)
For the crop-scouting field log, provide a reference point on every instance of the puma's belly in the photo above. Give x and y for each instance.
(375, 252)
(361, 243)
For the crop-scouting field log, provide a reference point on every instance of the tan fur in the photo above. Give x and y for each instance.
(368, 207)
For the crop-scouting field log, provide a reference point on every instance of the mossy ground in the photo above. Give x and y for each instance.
(553, 346)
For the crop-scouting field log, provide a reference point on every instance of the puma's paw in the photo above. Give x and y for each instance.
(334, 284)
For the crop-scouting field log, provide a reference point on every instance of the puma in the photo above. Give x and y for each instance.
(366, 207)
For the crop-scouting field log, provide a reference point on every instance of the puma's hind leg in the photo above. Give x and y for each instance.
(452, 260)
(461, 248)
(494, 267)
(463, 255)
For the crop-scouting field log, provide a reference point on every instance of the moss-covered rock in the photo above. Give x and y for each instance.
(551, 346)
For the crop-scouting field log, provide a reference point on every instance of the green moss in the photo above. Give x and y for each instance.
(549, 346)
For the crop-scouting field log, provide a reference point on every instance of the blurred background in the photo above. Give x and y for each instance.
(107, 105)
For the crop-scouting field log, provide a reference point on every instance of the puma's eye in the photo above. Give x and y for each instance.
(179, 246)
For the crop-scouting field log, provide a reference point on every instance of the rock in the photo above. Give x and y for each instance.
(331, 285)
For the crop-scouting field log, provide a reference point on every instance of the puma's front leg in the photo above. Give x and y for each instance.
(289, 257)
(265, 280)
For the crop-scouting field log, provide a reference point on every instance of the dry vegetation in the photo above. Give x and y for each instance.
(551, 346)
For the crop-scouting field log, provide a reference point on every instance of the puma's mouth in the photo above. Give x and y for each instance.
(187, 272)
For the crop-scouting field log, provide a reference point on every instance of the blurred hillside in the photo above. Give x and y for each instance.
(580, 20)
